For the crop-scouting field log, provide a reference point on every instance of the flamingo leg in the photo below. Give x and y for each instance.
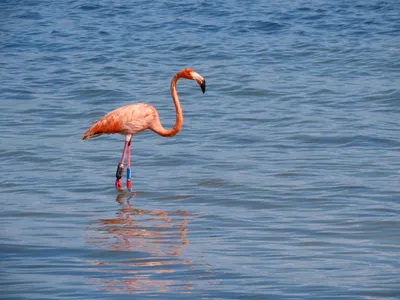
(120, 167)
(128, 169)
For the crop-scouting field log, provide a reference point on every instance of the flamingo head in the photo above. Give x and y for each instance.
(192, 75)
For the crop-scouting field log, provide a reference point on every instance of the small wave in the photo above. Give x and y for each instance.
(347, 141)
(264, 26)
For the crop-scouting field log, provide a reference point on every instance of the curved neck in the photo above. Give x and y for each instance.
(157, 127)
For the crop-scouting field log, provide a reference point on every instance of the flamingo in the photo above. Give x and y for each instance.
(131, 119)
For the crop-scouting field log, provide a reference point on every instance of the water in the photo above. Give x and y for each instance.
(283, 184)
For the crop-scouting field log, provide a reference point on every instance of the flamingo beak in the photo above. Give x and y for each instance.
(200, 80)
(203, 86)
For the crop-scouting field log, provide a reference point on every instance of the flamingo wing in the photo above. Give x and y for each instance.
(125, 120)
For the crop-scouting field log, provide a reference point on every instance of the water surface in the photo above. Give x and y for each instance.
(283, 183)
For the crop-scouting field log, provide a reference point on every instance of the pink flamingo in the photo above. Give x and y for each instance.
(131, 119)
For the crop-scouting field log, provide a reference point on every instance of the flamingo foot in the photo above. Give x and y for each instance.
(128, 179)
(118, 184)
(118, 174)
(129, 185)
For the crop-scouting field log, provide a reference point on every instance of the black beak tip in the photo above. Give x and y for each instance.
(203, 86)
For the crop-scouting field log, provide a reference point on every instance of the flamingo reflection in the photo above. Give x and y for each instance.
(155, 239)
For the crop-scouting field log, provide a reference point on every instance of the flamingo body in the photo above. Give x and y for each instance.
(129, 119)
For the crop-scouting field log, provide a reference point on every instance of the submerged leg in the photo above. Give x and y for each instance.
(128, 169)
(120, 167)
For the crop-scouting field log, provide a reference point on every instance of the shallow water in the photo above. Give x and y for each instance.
(283, 183)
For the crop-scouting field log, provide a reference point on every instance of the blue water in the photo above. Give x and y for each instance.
(284, 182)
